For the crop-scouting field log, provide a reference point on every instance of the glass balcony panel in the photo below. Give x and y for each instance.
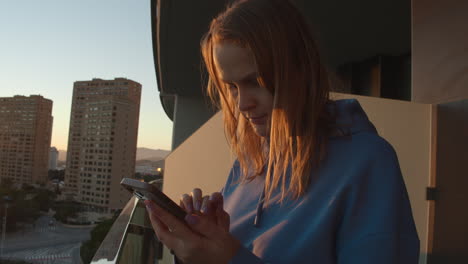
(131, 239)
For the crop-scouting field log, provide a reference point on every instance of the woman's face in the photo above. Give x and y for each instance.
(236, 68)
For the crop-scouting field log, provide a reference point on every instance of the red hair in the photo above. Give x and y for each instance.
(289, 66)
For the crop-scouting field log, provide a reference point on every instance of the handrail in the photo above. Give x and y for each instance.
(110, 247)
(131, 238)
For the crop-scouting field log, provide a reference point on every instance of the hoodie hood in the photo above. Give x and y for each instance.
(356, 209)
(350, 118)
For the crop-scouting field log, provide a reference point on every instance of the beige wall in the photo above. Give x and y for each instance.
(439, 50)
(204, 160)
(190, 113)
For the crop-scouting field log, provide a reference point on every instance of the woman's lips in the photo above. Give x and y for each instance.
(260, 120)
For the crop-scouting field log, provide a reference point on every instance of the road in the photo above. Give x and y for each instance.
(46, 244)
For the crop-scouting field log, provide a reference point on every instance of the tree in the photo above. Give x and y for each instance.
(6, 183)
(27, 188)
(26, 204)
(23, 211)
(45, 199)
(56, 174)
(66, 209)
(89, 248)
(57, 190)
(148, 178)
(138, 176)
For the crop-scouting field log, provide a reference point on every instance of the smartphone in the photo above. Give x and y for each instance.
(146, 191)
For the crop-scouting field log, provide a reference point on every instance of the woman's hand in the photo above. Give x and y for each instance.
(204, 236)
(210, 206)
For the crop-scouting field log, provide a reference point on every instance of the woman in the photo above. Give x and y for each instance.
(313, 182)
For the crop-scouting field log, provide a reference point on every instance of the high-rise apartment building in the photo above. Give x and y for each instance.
(53, 158)
(25, 134)
(102, 141)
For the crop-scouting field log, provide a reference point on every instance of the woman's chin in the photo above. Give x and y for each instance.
(261, 130)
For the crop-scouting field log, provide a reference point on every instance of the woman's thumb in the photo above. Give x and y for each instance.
(202, 225)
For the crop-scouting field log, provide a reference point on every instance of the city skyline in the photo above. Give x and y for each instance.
(44, 53)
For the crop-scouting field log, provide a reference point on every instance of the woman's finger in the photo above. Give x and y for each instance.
(223, 219)
(210, 209)
(187, 201)
(204, 203)
(215, 201)
(175, 227)
(162, 232)
(197, 199)
(203, 225)
(218, 199)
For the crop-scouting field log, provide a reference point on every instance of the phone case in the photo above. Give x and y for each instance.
(144, 191)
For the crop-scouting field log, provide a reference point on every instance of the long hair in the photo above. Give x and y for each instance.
(289, 66)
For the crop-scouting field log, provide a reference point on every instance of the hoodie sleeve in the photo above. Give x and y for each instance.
(233, 177)
(377, 224)
(245, 256)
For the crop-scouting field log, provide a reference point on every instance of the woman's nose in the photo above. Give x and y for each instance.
(245, 101)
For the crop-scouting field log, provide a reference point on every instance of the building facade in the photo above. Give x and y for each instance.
(102, 141)
(25, 135)
(53, 158)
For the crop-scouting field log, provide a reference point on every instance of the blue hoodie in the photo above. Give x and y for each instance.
(356, 209)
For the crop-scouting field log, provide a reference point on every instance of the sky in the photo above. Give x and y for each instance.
(47, 45)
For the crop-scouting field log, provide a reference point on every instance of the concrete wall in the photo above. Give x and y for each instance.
(450, 229)
(439, 50)
(190, 112)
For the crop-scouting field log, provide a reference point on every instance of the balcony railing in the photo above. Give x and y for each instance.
(131, 238)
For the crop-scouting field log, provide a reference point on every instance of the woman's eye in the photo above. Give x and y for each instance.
(232, 88)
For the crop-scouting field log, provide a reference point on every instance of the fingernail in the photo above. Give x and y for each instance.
(191, 219)
(203, 209)
(148, 205)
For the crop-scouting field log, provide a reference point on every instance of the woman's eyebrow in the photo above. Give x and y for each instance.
(248, 77)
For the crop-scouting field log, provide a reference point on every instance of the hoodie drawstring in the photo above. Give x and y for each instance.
(258, 215)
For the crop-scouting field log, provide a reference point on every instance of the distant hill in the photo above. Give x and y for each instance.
(151, 154)
(156, 164)
(142, 154)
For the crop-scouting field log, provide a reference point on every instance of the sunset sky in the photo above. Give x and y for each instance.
(47, 45)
